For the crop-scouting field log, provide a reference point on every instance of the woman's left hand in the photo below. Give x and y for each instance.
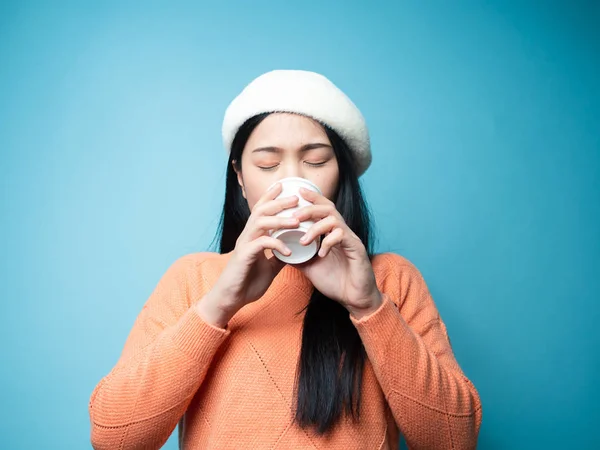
(342, 270)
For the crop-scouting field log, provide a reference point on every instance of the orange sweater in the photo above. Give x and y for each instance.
(232, 388)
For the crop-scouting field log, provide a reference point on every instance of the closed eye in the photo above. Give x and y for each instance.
(310, 164)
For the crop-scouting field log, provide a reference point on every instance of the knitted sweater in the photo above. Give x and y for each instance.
(232, 388)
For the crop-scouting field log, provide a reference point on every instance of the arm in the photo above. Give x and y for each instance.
(163, 363)
(433, 403)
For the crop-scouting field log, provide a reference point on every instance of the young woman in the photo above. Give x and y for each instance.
(345, 351)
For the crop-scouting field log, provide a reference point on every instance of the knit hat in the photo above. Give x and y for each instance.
(306, 93)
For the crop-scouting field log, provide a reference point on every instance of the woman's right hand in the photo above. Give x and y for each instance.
(249, 273)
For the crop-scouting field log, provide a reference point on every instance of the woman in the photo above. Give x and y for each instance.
(345, 351)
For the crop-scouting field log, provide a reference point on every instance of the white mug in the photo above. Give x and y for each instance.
(291, 236)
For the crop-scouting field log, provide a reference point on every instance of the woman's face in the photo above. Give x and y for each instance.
(287, 145)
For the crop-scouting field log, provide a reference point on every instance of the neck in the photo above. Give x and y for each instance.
(293, 276)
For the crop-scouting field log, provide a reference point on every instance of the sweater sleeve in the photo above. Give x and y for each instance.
(433, 403)
(162, 365)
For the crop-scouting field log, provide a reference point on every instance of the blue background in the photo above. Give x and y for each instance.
(486, 138)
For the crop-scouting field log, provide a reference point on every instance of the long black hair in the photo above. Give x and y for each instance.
(330, 370)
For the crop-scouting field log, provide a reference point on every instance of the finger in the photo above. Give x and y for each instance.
(272, 207)
(266, 223)
(266, 242)
(333, 238)
(258, 226)
(270, 194)
(321, 227)
(315, 212)
(314, 197)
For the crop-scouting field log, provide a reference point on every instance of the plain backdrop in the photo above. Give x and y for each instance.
(484, 119)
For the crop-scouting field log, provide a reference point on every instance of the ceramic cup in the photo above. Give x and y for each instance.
(291, 236)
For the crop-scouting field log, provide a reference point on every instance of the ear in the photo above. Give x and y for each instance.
(240, 179)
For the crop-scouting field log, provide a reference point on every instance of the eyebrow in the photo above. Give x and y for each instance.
(304, 148)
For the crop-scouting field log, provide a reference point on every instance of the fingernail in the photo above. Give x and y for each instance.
(304, 238)
(287, 251)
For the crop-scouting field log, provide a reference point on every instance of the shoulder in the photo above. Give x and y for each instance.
(389, 263)
(207, 265)
(198, 259)
(397, 275)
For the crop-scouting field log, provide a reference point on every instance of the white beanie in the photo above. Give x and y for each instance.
(306, 93)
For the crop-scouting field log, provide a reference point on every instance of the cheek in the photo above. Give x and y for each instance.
(329, 188)
(252, 201)
(253, 193)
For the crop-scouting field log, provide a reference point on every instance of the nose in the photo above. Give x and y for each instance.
(293, 170)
